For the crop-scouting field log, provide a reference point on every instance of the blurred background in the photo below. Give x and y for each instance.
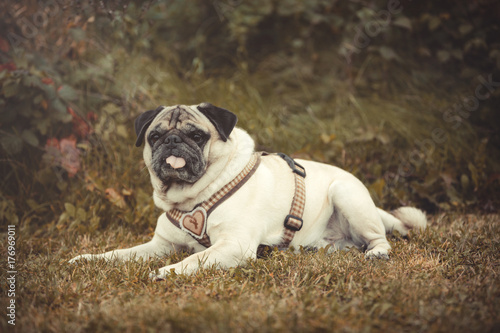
(404, 94)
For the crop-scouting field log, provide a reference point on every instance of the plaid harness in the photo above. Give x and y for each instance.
(195, 221)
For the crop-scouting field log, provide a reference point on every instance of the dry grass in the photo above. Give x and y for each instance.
(444, 280)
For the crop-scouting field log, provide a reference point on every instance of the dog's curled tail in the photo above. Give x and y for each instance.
(403, 219)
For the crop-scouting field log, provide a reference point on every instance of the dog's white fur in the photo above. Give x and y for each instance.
(338, 212)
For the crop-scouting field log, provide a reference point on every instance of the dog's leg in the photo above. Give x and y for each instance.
(224, 253)
(154, 248)
(364, 225)
(164, 242)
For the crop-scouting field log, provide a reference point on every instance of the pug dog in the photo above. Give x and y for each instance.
(194, 152)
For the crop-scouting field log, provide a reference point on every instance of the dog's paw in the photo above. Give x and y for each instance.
(377, 254)
(156, 277)
(161, 275)
(80, 257)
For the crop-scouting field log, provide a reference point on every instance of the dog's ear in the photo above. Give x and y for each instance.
(142, 123)
(223, 120)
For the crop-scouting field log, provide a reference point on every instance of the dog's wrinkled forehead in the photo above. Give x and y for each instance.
(176, 117)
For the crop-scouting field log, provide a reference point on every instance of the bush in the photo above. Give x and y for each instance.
(339, 82)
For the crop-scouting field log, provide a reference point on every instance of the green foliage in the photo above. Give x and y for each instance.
(34, 107)
(59, 107)
(298, 74)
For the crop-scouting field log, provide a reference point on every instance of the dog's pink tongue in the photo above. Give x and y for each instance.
(176, 162)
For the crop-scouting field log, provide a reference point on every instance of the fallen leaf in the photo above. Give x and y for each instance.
(115, 198)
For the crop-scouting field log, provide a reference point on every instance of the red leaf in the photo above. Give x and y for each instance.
(70, 110)
(52, 142)
(63, 154)
(80, 128)
(4, 45)
(91, 116)
(70, 159)
(52, 154)
(10, 66)
(47, 80)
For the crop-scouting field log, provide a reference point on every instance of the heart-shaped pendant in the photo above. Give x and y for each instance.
(195, 222)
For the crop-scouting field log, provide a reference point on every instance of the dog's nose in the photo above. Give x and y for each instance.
(173, 139)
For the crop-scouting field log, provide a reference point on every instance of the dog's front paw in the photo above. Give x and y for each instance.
(163, 273)
(156, 277)
(377, 254)
(80, 257)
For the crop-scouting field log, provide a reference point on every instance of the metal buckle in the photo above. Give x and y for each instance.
(293, 165)
(292, 227)
(302, 172)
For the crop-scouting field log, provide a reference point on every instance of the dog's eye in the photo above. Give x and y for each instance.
(153, 137)
(196, 137)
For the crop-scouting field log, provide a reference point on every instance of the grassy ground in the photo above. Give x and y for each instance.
(444, 280)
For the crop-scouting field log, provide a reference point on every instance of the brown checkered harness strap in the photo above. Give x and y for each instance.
(195, 221)
(293, 221)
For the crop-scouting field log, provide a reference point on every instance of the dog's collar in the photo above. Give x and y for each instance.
(195, 221)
